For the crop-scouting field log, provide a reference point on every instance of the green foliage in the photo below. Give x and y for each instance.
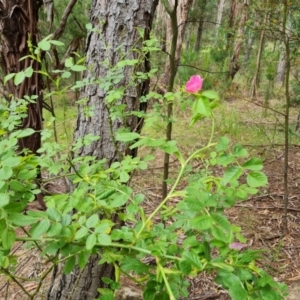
(194, 236)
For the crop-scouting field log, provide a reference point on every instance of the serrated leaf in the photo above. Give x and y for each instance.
(8, 77)
(22, 220)
(237, 292)
(231, 174)
(56, 43)
(4, 199)
(257, 179)
(240, 151)
(69, 62)
(19, 77)
(8, 238)
(202, 107)
(126, 136)
(92, 221)
(193, 259)
(69, 265)
(25, 132)
(40, 228)
(222, 144)
(185, 267)
(91, 242)
(82, 232)
(210, 94)
(253, 164)
(54, 229)
(83, 258)
(78, 68)
(132, 264)
(28, 72)
(54, 214)
(201, 222)
(219, 234)
(104, 239)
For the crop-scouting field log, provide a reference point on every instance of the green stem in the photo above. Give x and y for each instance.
(171, 295)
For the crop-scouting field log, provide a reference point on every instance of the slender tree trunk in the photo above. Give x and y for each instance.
(18, 23)
(250, 42)
(200, 25)
(281, 67)
(255, 81)
(219, 16)
(234, 65)
(116, 24)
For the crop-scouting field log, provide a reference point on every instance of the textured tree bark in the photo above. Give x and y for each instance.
(116, 23)
(219, 16)
(18, 23)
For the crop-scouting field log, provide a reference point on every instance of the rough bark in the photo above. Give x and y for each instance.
(281, 67)
(116, 23)
(18, 23)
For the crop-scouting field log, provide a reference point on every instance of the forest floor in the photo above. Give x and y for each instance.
(260, 217)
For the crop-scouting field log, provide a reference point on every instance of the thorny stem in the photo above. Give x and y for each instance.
(161, 269)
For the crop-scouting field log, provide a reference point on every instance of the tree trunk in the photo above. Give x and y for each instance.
(255, 81)
(200, 25)
(242, 9)
(18, 23)
(219, 16)
(116, 24)
(281, 67)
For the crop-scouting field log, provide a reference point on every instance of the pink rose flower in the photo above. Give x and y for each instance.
(194, 84)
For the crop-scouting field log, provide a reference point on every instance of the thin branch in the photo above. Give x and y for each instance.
(61, 28)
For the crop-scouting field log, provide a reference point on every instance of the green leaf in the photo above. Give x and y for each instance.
(222, 221)
(240, 151)
(8, 238)
(185, 267)
(82, 232)
(104, 239)
(253, 164)
(201, 222)
(44, 45)
(54, 214)
(193, 259)
(8, 77)
(17, 186)
(237, 292)
(69, 264)
(28, 72)
(124, 177)
(130, 264)
(19, 77)
(91, 242)
(78, 68)
(83, 258)
(4, 199)
(56, 43)
(66, 74)
(92, 221)
(219, 234)
(231, 174)
(22, 220)
(126, 136)
(119, 200)
(55, 229)
(25, 132)
(222, 144)
(202, 107)
(69, 62)
(257, 179)
(40, 228)
(210, 94)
